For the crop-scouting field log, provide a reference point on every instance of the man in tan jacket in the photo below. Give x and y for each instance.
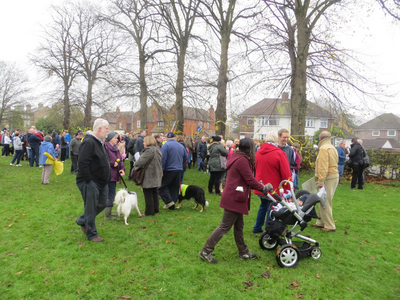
(326, 171)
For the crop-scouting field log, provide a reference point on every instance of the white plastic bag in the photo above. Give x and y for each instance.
(322, 195)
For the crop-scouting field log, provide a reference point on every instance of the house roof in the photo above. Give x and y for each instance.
(191, 113)
(379, 143)
(277, 106)
(384, 121)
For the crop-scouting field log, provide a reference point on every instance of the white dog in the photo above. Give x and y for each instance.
(126, 200)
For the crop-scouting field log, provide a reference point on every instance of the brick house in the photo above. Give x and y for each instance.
(274, 114)
(385, 126)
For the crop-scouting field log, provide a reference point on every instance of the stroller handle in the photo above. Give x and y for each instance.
(292, 191)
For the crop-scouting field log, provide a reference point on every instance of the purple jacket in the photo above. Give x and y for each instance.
(114, 154)
(240, 181)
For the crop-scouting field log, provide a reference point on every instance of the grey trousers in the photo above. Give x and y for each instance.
(229, 219)
(94, 199)
(46, 173)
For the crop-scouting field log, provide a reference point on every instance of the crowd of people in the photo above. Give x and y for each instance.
(234, 167)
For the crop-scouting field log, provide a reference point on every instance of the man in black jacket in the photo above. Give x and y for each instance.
(139, 143)
(201, 152)
(93, 176)
(131, 152)
(357, 155)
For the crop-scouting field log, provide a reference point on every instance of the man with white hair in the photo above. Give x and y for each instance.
(92, 179)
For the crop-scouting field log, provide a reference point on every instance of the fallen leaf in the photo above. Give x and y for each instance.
(145, 287)
(348, 227)
(345, 232)
(172, 233)
(125, 297)
(295, 283)
(298, 296)
(142, 227)
(80, 243)
(162, 268)
(248, 283)
(361, 243)
(20, 272)
(318, 276)
(267, 274)
(372, 257)
(11, 254)
(397, 269)
(167, 241)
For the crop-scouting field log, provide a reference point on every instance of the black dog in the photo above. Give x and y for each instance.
(188, 192)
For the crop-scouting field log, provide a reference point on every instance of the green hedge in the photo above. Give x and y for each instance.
(386, 163)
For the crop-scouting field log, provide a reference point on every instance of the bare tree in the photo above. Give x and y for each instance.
(392, 7)
(136, 18)
(179, 17)
(56, 55)
(97, 46)
(222, 18)
(12, 88)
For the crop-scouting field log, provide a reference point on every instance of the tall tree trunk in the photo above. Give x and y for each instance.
(67, 108)
(220, 112)
(299, 82)
(179, 92)
(143, 91)
(87, 121)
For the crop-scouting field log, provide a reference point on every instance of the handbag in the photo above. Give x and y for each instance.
(222, 160)
(137, 176)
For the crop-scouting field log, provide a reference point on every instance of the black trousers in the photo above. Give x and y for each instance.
(215, 180)
(63, 153)
(94, 200)
(152, 202)
(358, 171)
(169, 189)
(74, 165)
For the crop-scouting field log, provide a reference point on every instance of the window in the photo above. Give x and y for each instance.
(323, 123)
(391, 133)
(262, 136)
(376, 133)
(160, 124)
(250, 121)
(265, 121)
(120, 125)
(309, 122)
(138, 124)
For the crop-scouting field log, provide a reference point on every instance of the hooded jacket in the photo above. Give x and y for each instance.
(237, 193)
(216, 151)
(93, 161)
(272, 166)
(327, 160)
(115, 156)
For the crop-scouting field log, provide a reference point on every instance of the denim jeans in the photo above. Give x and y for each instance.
(34, 156)
(341, 170)
(199, 161)
(28, 153)
(262, 212)
(17, 156)
(189, 158)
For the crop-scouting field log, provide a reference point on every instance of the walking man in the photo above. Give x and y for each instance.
(326, 171)
(93, 176)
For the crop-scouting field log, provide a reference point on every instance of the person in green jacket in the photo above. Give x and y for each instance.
(217, 152)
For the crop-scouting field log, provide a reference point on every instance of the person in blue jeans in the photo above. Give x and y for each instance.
(34, 141)
(18, 150)
(342, 159)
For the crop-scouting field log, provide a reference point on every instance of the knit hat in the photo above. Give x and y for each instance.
(170, 135)
(110, 136)
(216, 138)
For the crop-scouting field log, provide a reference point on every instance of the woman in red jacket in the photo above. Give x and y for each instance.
(235, 201)
(272, 166)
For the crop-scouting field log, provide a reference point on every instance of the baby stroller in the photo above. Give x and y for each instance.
(285, 213)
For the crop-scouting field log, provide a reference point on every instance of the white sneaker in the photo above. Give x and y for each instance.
(40, 166)
(11, 165)
(169, 205)
(19, 165)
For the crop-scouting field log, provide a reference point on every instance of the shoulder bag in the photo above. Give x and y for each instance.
(138, 175)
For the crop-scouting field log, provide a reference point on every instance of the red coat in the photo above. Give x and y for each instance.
(240, 174)
(272, 166)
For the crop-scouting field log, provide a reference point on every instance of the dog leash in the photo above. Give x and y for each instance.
(123, 181)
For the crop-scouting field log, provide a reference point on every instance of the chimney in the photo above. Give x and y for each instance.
(212, 114)
(118, 110)
(285, 97)
(28, 108)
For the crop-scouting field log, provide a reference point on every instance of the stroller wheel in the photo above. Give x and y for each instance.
(315, 252)
(266, 242)
(287, 256)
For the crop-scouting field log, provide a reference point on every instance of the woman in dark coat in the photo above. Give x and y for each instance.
(357, 155)
(152, 176)
(117, 169)
(236, 201)
(214, 163)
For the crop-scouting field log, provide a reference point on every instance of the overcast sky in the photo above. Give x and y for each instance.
(20, 30)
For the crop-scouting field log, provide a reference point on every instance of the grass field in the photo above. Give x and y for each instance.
(45, 255)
